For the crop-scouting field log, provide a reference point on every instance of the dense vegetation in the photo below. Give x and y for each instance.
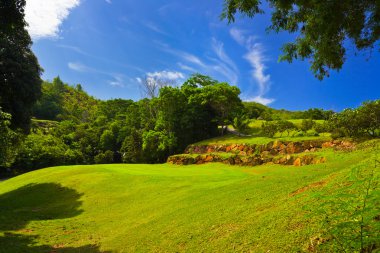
(74, 128)
(20, 83)
(71, 127)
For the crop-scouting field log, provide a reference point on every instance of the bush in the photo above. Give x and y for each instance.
(299, 134)
(269, 128)
(307, 124)
(104, 158)
(312, 132)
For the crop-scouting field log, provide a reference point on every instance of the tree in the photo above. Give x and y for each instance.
(241, 124)
(20, 82)
(224, 100)
(8, 140)
(150, 86)
(323, 27)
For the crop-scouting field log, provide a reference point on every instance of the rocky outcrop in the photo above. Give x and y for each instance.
(273, 148)
(246, 160)
(276, 152)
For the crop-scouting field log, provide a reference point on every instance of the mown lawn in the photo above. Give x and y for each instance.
(234, 139)
(166, 208)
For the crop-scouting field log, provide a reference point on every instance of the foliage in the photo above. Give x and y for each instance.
(40, 151)
(307, 124)
(323, 27)
(269, 128)
(351, 213)
(60, 101)
(241, 123)
(19, 69)
(363, 121)
(9, 140)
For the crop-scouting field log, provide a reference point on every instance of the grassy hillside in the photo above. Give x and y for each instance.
(167, 208)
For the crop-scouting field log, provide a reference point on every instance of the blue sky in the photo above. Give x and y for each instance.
(108, 46)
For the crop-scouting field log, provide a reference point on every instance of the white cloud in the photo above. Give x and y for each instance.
(45, 17)
(238, 36)
(109, 1)
(79, 67)
(154, 28)
(169, 75)
(118, 81)
(188, 68)
(139, 80)
(256, 58)
(225, 66)
(261, 100)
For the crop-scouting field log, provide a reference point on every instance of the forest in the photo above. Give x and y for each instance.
(70, 127)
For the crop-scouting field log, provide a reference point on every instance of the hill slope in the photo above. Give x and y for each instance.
(167, 208)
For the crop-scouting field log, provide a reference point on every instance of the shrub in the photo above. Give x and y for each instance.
(307, 124)
(104, 158)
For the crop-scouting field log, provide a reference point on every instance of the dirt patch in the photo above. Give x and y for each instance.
(308, 187)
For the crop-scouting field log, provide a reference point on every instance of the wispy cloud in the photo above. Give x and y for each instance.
(225, 65)
(154, 28)
(221, 65)
(187, 68)
(45, 17)
(82, 52)
(256, 58)
(118, 80)
(79, 67)
(169, 75)
(109, 1)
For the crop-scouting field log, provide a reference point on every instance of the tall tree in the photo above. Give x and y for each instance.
(20, 82)
(323, 27)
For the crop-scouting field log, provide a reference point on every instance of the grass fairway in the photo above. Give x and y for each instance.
(165, 208)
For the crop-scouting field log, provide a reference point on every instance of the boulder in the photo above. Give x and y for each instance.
(297, 162)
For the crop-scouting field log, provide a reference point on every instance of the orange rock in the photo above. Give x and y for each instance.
(297, 162)
(243, 153)
(208, 159)
(327, 144)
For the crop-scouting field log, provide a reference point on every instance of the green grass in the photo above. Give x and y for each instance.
(234, 139)
(164, 208)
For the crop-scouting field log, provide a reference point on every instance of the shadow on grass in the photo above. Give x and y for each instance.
(37, 202)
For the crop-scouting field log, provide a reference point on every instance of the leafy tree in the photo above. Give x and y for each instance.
(20, 83)
(240, 123)
(269, 128)
(8, 140)
(285, 126)
(369, 117)
(307, 124)
(224, 100)
(323, 27)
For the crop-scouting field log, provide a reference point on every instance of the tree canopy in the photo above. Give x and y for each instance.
(20, 83)
(322, 27)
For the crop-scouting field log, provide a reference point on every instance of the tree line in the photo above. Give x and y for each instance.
(71, 127)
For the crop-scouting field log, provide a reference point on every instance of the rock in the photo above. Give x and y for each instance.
(242, 153)
(276, 144)
(265, 154)
(208, 158)
(297, 162)
(327, 144)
